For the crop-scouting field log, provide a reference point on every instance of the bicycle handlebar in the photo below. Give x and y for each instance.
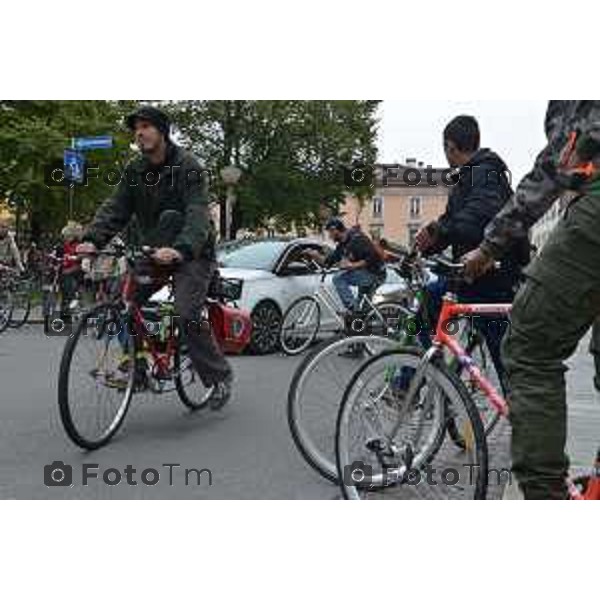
(414, 265)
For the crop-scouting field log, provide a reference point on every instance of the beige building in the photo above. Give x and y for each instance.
(405, 198)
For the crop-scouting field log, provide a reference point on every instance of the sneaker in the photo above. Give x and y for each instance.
(116, 380)
(221, 393)
(124, 364)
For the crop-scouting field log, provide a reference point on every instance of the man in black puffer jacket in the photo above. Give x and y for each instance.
(481, 189)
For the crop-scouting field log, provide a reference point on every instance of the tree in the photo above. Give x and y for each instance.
(292, 153)
(34, 134)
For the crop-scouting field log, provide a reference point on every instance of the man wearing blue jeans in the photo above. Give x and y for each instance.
(362, 266)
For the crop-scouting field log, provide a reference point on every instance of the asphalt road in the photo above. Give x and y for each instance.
(247, 447)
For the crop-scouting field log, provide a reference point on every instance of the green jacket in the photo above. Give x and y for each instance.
(538, 190)
(145, 192)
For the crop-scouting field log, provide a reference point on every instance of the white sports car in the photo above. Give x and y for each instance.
(272, 276)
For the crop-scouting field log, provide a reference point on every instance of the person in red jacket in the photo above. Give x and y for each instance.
(71, 267)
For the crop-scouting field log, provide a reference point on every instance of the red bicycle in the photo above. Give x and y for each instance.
(404, 409)
(119, 348)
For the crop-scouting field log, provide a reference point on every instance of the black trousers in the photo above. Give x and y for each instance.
(191, 280)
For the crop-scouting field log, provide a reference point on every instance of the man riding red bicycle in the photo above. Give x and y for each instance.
(167, 178)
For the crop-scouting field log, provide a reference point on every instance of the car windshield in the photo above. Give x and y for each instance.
(260, 255)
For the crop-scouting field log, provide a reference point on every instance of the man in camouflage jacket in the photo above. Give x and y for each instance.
(561, 296)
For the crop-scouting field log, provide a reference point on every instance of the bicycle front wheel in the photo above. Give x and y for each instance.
(391, 440)
(316, 391)
(97, 377)
(21, 304)
(300, 325)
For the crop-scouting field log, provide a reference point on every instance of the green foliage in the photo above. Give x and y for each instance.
(34, 134)
(291, 152)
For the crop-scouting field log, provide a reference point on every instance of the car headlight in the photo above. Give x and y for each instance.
(230, 289)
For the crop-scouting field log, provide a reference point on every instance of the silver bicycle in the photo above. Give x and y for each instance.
(302, 321)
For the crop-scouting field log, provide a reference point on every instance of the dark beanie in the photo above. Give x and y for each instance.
(153, 115)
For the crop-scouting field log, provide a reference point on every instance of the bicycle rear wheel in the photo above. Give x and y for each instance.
(387, 318)
(393, 445)
(96, 378)
(6, 306)
(316, 391)
(190, 389)
(300, 325)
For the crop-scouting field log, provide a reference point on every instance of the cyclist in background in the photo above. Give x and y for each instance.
(71, 276)
(10, 257)
(361, 264)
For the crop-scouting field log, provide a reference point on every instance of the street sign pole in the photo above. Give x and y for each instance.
(71, 188)
(75, 161)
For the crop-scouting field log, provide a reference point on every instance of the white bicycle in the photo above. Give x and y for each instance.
(302, 320)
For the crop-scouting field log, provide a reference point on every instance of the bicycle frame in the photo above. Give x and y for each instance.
(161, 358)
(451, 310)
(326, 298)
(323, 296)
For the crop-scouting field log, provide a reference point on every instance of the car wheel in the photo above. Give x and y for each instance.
(266, 326)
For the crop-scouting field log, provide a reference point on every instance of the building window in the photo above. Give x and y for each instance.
(415, 207)
(412, 233)
(377, 206)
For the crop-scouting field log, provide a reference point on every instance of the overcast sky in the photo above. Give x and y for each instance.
(413, 129)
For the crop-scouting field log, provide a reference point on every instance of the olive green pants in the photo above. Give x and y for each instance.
(553, 310)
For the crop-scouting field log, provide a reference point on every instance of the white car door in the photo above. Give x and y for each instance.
(295, 285)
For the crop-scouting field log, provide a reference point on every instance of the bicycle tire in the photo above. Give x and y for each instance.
(389, 326)
(452, 390)
(187, 398)
(301, 436)
(294, 351)
(26, 309)
(5, 308)
(66, 412)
